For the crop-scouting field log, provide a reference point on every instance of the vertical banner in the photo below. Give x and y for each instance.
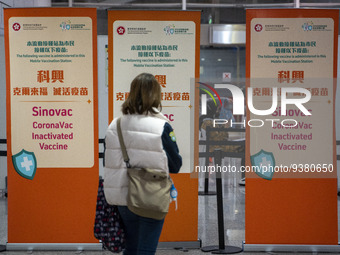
(291, 192)
(52, 119)
(166, 44)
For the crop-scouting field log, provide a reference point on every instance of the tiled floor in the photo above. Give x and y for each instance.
(234, 214)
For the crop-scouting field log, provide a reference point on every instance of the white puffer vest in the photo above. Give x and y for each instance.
(142, 136)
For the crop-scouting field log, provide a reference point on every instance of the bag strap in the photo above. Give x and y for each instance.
(122, 144)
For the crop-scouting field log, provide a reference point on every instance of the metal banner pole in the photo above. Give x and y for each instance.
(221, 248)
(206, 191)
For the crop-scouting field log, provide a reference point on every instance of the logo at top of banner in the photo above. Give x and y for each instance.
(258, 27)
(264, 163)
(65, 25)
(310, 26)
(16, 26)
(121, 30)
(172, 30)
(25, 164)
(169, 30)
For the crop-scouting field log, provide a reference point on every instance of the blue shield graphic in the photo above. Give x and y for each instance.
(265, 164)
(25, 164)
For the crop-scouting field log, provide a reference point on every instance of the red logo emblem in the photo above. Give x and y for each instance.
(16, 26)
(258, 27)
(121, 30)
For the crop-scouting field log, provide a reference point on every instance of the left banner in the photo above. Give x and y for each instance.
(52, 124)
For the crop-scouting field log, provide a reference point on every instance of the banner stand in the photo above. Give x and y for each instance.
(299, 211)
(56, 152)
(54, 247)
(166, 44)
(221, 248)
(289, 248)
(206, 191)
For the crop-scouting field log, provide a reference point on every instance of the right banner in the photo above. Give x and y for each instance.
(291, 178)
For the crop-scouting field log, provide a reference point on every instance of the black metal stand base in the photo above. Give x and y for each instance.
(2, 248)
(227, 250)
(206, 193)
(209, 248)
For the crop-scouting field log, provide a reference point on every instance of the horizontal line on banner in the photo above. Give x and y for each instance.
(173, 106)
(51, 101)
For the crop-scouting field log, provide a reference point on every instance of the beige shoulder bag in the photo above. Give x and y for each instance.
(149, 190)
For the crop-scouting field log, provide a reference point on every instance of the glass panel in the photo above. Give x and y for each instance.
(223, 65)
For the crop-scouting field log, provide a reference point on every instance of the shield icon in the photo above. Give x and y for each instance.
(265, 164)
(25, 164)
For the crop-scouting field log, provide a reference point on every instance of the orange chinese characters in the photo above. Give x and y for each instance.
(16, 91)
(283, 76)
(83, 91)
(70, 91)
(120, 96)
(267, 91)
(34, 91)
(324, 91)
(177, 96)
(298, 76)
(43, 75)
(185, 96)
(66, 91)
(161, 80)
(168, 96)
(315, 91)
(58, 75)
(256, 92)
(43, 91)
(75, 91)
(27, 91)
(57, 91)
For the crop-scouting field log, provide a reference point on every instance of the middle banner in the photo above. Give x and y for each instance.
(165, 44)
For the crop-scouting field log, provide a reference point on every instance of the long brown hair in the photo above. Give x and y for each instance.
(145, 95)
